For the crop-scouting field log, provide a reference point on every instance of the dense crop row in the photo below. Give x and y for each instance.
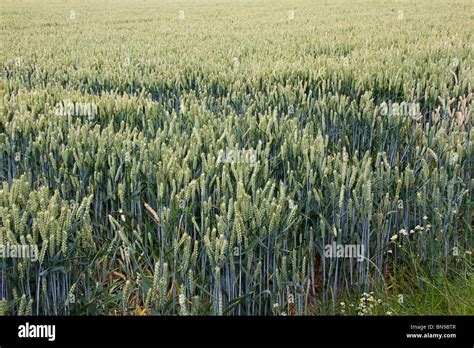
(131, 202)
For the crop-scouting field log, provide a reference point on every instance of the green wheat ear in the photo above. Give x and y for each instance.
(150, 200)
(3, 307)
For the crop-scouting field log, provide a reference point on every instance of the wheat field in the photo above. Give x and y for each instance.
(210, 157)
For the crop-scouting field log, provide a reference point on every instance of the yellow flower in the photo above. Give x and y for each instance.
(394, 237)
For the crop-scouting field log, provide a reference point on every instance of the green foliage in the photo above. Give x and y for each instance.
(135, 209)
